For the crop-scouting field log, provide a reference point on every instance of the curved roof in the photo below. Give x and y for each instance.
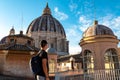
(52, 50)
(97, 29)
(18, 47)
(46, 22)
(21, 35)
(3, 40)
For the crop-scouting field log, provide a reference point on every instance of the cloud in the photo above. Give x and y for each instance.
(84, 22)
(60, 15)
(75, 49)
(113, 22)
(73, 6)
(4, 31)
(74, 35)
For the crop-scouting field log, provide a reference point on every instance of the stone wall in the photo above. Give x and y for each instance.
(15, 63)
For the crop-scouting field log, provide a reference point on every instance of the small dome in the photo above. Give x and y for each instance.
(46, 22)
(51, 50)
(97, 29)
(12, 31)
(3, 40)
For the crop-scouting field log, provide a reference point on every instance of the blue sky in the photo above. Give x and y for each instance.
(75, 16)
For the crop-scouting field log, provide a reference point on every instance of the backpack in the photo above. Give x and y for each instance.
(35, 63)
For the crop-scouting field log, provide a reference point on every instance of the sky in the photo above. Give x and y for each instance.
(75, 16)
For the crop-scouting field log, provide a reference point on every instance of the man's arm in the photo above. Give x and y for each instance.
(44, 64)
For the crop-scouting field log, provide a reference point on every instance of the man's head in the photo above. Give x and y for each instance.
(44, 44)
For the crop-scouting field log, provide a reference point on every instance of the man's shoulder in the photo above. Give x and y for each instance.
(43, 51)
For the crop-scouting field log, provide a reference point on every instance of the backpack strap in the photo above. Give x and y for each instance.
(40, 53)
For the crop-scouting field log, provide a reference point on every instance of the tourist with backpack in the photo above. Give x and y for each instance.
(39, 63)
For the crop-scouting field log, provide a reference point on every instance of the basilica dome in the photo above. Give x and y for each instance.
(46, 22)
(97, 29)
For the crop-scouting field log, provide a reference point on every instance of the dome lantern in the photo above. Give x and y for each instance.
(12, 31)
(47, 10)
(95, 22)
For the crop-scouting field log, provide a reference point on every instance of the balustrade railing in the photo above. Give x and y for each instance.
(97, 75)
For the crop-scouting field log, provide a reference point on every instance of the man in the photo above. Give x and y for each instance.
(44, 75)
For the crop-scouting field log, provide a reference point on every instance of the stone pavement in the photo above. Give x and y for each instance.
(2, 77)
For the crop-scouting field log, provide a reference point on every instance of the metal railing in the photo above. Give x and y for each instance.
(97, 75)
(113, 74)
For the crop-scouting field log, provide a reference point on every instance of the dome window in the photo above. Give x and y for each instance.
(52, 45)
(29, 42)
(11, 40)
(88, 61)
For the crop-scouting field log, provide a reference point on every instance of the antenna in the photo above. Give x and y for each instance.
(46, 1)
(22, 21)
(94, 6)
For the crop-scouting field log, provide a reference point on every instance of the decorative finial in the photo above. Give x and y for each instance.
(21, 32)
(47, 9)
(47, 5)
(12, 31)
(95, 22)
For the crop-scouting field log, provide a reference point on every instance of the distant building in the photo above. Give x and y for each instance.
(15, 53)
(48, 28)
(99, 48)
(69, 63)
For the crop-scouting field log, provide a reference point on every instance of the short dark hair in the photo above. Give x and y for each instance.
(43, 43)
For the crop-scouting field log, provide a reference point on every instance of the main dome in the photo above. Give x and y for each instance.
(46, 22)
(97, 29)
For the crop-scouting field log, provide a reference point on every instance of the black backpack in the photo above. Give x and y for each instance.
(35, 63)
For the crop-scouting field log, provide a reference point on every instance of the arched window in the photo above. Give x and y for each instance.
(88, 63)
(29, 42)
(52, 66)
(111, 59)
(12, 40)
(52, 45)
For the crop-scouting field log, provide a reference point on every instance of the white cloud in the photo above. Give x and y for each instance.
(72, 31)
(75, 49)
(60, 15)
(4, 31)
(73, 6)
(113, 22)
(84, 22)
(74, 35)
